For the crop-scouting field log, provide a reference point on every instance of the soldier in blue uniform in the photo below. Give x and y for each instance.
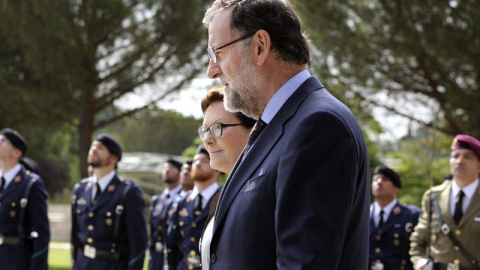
(108, 217)
(164, 254)
(24, 228)
(390, 223)
(193, 210)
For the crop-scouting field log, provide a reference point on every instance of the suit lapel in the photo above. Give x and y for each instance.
(444, 203)
(473, 207)
(397, 209)
(14, 184)
(243, 170)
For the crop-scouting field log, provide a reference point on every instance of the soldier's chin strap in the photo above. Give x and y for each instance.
(447, 231)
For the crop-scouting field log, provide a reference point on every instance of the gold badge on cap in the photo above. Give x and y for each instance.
(396, 210)
(111, 188)
(17, 179)
(184, 212)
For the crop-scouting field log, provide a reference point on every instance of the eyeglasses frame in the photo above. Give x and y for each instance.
(212, 52)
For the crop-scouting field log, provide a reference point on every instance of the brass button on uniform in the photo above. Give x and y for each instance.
(458, 232)
(396, 235)
(379, 238)
(90, 227)
(377, 250)
(456, 261)
(194, 225)
(90, 214)
(89, 240)
(13, 204)
(109, 214)
(192, 239)
(457, 248)
(192, 253)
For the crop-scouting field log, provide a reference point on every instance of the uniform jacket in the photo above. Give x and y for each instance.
(390, 244)
(190, 228)
(161, 217)
(93, 224)
(300, 197)
(441, 248)
(21, 257)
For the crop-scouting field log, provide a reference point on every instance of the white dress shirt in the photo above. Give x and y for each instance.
(469, 192)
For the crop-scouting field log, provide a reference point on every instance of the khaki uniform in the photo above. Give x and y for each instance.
(442, 249)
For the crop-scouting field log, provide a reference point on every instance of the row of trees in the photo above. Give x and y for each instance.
(63, 66)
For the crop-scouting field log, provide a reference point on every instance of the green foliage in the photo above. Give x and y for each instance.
(66, 62)
(155, 130)
(420, 52)
(421, 161)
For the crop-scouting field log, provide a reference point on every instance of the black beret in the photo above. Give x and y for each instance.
(15, 139)
(202, 150)
(30, 165)
(175, 163)
(390, 174)
(111, 145)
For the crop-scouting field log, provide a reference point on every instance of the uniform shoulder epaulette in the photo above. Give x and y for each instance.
(439, 188)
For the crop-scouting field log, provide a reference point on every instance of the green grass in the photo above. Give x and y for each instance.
(59, 259)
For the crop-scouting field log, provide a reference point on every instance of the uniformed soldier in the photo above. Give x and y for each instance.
(193, 210)
(185, 178)
(24, 228)
(108, 217)
(390, 223)
(164, 253)
(449, 226)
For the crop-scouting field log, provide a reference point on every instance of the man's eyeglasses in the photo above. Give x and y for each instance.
(216, 130)
(212, 51)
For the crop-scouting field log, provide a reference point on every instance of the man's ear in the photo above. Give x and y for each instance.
(262, 46)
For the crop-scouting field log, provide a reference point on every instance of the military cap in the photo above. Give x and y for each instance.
(466, 142)
(30, 165)
(390, 174)
(111, 145)
(177, 164)
(16, 139)
(202, 150)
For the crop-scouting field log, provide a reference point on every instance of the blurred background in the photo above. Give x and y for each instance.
(71, 69)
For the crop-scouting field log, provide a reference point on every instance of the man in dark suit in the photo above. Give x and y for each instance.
(108, 218)
(390, 223)
(24, 228)
(299, 196)
(160, 216)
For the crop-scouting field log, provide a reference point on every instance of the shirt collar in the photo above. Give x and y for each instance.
(103, 182)
(386, 210)
(282, 95)
(172, 191)
(206, 193)
(469, 190)
(8, 176)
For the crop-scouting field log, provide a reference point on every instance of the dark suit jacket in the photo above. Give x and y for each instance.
(300, 198)
(17, 257)
(390, 244)
(97, 222)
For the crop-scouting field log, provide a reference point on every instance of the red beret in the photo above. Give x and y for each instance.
(468, 142)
